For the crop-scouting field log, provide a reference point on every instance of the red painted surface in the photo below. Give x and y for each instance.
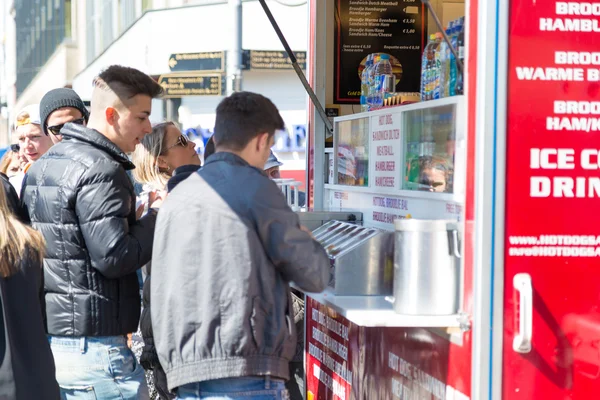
(346, 361)
(299, 175)
(564, 362)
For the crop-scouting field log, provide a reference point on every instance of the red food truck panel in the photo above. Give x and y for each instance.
(552, 244)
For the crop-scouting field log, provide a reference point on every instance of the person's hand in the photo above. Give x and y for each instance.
(140, 211)
(156, 198)
(305, 229)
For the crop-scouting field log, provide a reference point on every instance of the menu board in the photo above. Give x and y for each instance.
(364, 27)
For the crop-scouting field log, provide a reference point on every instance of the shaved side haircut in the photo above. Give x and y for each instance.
(117, 85)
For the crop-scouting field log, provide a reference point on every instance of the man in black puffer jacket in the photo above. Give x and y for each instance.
(78, 195)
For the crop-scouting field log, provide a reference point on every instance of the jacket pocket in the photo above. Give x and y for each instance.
(258, 322)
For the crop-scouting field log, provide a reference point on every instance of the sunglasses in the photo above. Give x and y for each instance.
(55, 129)
(181, 141)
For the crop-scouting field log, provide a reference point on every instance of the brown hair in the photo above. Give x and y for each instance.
(243, 116)
(127, 83)
(16, 239)
(7, 158)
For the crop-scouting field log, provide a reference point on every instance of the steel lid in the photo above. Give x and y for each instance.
(425, 225)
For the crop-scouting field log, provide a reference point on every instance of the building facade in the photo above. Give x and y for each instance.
(66, 43)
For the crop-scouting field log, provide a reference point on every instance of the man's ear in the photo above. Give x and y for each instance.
(112, 115)
(263, 141)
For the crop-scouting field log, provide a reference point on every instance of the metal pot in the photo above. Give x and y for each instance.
(426, 267)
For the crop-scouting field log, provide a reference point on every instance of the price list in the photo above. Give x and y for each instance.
(366, 27)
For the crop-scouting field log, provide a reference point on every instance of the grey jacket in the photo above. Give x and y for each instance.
(226, 248)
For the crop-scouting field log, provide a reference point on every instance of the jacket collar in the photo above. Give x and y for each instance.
(96, 139)
(185, 169)
(228, 158)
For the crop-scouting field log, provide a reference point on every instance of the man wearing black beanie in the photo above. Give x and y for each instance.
(58, 107)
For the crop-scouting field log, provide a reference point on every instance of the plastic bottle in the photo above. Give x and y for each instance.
(371, 80)
(426, 66)
(460, 42)
(384, 80)
(446, 62)
(424, 70)
(453, 67)
(364, 83)
(436, 83)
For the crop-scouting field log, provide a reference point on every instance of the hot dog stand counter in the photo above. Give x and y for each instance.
(501, 184)
(396, 167)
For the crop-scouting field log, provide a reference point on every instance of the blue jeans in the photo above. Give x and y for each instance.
(245, 388)
(97, 368)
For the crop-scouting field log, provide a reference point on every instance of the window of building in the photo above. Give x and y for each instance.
(90, 31)
(43, 17)
(126, 14)
(146, 5)
(107, 24)
(68, 26)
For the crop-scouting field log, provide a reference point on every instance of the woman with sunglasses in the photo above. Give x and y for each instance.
(162, 154)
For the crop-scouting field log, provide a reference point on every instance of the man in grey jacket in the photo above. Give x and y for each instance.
(227, 246)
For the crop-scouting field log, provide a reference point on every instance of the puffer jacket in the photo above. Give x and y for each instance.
(78, 195)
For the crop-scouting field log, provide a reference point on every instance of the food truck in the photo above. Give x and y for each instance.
(462, 230)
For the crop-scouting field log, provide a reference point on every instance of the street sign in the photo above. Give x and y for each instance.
(205, 61)
(259, 59)
(192, 84)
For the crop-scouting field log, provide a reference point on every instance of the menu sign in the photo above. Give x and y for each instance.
(329, 356)
(386, 150)
(552, 195)
(345, 361)
(366, 27)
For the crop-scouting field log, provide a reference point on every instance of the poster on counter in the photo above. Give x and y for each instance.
(331, 350)
(364, 27)
(386, 151)
(345, 361)
(552, 226)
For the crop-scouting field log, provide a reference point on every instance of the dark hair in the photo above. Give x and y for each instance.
(128, 82)
(209, 149)
(243, 116)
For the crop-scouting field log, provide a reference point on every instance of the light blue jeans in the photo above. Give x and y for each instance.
(246, 388)
(97, 368)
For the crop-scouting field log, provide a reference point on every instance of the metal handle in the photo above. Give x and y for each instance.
(522, 340)
(456, 243)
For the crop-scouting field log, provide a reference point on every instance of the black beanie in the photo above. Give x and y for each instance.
(59, 98)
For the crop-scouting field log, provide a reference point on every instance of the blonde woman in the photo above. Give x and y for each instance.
(10, 164)
(164, 156)
(9, 167)
(26, 364)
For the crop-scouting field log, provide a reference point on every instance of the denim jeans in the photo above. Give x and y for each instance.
(245, 388)
(97, 368)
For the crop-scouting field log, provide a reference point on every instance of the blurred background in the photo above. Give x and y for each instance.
(199, 50)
